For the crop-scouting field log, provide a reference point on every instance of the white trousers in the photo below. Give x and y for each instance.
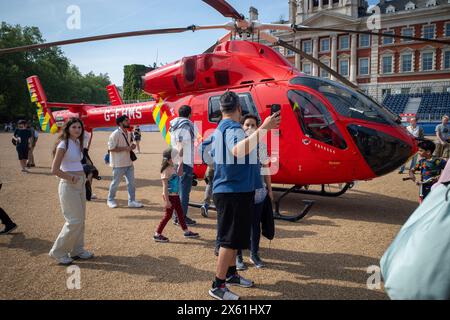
(70, 240)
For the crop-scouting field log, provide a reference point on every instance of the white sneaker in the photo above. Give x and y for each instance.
(65, 261)
(94, 196)
(85, 255)
(111, 204)
(135, 204)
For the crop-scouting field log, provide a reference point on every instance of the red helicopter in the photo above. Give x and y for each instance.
(330, 133)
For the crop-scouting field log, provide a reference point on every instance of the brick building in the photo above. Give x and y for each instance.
(379, 65)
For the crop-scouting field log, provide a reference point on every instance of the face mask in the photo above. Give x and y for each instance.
(249, 131)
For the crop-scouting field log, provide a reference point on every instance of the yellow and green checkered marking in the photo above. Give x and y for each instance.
(44, 117)
(161, 118)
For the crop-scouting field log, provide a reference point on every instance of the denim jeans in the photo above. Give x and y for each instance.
(412, 165)
(118, 173)
(185, 188)
(255, 232)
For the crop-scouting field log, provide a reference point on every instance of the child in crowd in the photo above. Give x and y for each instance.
(430, 168)
(171, 181)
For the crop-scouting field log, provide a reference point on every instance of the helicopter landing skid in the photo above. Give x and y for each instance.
(277, 215)
(322, 192)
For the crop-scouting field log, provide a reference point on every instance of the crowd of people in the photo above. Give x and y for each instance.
(239, 188)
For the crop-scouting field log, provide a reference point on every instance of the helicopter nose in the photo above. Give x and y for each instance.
(382, 152)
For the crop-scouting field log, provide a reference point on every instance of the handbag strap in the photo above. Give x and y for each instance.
(125, 138)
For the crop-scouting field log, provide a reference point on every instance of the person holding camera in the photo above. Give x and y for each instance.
(121, 160)
(234, 188)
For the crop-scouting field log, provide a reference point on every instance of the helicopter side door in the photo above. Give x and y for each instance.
(322, 135)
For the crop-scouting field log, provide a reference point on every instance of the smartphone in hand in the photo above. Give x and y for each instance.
(275, 108)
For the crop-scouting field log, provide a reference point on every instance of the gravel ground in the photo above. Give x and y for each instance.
(324, 256)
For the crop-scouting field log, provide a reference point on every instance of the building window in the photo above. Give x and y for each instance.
(307, 68)
(431, 3)
(343, 67)
(387, 64)
(364, 40)
(290, 52)
(427, 61)
(325, 45)
(428, 31)
(446, 59)
(385, 92)
(344, 42)
(405, 90)
(406, 62)
(307, 46)
(388, 40)
(390, 9)
(410, 6)
(363, 66)
(324, 73)
(447, 29)
(407, 32)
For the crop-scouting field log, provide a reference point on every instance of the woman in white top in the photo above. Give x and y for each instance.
(66, 165)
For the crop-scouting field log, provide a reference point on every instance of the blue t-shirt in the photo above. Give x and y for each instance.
(232, 174)
(173, 180)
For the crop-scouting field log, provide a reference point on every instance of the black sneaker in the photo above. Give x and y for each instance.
(190, 234)
(222, 293)
(175, 222)
(238, 280)
(240, 265)
(160, 238)
(204, 211)
(256, 260)
(190, 222)
(9, 229)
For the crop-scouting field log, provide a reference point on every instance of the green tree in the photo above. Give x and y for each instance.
(61, 80)
(132, 81)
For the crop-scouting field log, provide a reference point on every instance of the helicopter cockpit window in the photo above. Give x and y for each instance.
(348, 102)
(314, 119)
(245, 99)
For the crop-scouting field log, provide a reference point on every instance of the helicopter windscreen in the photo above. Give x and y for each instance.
(348, 102)
(315, 119)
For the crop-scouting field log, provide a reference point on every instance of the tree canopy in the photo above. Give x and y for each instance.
(61, 80)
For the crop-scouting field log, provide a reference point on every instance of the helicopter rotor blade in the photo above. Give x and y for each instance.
(304, 55)
(277, 42)
(229, 26)
(298, 28)
(225, 9)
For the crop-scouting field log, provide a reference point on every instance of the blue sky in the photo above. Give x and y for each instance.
(110, 16)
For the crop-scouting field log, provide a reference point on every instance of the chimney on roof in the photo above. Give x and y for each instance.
(253, 14)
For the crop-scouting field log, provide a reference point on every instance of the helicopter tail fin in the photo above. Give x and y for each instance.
(114, 95)
(37, 96)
